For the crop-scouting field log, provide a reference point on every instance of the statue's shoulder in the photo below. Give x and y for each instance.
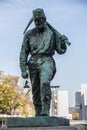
(49, 30)
(30, 32)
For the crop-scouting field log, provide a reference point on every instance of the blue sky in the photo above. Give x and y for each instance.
(69, 17)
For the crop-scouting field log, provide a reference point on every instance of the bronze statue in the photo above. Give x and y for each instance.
(41, 43)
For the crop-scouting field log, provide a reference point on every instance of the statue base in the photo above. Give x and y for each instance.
(39, 121)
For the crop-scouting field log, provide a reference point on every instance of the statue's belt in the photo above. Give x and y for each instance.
(41, 55)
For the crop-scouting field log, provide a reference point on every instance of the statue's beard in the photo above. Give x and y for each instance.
(40, 27)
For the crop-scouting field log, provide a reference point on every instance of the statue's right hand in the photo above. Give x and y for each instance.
(24, 74)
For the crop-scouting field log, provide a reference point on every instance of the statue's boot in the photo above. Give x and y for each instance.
(46, 100)
(45, 107)
(38, 110)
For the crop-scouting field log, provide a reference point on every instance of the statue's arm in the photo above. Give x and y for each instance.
(25, 49)
(61, 41)
(60, 45)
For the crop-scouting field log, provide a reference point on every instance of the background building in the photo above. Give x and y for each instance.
(78, 104)
(59, 103)
(81, 102)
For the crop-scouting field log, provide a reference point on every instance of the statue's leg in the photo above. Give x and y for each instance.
(35, 82)
(45, 99)
(47, 72)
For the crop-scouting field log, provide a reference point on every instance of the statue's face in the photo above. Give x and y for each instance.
(39, 23)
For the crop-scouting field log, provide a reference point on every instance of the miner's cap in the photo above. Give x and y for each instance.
(38, 13)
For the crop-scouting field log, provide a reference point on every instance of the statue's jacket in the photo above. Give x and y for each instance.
(41, 47)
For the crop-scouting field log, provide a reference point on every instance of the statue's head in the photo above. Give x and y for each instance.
(39, 19)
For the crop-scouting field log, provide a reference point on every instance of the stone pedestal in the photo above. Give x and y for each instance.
(48, 128)
(39, 121)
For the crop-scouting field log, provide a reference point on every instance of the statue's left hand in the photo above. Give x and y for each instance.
(63, 45)
(64, 40)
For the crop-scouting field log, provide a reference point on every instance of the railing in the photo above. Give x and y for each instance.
(3, 119)
(2, 122)
(78, 122)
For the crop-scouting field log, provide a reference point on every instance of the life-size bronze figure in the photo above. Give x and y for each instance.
(41, 43)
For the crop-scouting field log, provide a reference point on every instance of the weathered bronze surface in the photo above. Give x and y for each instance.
(41, 43)
(39, 121)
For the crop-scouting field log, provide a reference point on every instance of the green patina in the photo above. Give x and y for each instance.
(41, 43)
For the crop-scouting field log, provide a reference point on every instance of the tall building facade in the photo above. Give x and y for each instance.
(81, 102)
(59, 103)
(78, 104)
